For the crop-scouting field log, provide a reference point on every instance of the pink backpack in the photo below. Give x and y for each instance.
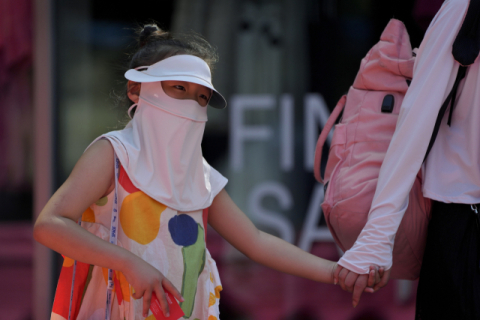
(358, 147)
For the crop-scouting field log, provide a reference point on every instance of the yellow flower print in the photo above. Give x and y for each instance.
(217, 291)
(140, 217)
(212, 300)
(88, 215)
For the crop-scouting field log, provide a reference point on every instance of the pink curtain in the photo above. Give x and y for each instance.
(15, 94)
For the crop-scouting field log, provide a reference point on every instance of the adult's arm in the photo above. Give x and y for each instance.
(434, 74)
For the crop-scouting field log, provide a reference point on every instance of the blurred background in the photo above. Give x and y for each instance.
(283, 66)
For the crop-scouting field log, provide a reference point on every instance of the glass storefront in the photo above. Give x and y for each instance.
(283, 66)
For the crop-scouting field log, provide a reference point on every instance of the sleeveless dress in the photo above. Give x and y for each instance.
(171, 241)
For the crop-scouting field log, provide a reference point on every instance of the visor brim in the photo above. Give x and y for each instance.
(216, 101)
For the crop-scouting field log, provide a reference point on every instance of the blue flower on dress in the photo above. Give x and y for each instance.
(183, 229)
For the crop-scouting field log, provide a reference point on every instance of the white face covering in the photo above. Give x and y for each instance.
(160, 149)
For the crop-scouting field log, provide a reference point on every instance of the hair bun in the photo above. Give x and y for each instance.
(151, 32)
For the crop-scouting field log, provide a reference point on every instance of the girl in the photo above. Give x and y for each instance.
(145, 215)
(449, 285)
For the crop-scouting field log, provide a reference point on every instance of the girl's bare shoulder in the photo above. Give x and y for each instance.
(96, 164)
(98, 155)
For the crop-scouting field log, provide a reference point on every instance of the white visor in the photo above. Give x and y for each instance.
(183, 67)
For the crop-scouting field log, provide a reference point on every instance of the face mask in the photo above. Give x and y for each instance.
(160, 149)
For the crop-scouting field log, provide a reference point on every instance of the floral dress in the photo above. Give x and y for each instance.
(171, 241)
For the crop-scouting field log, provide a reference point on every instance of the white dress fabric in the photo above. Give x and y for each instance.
(452, 171)
(171, 241)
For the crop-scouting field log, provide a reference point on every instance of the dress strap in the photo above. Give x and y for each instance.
(73, 282)
(113, 239)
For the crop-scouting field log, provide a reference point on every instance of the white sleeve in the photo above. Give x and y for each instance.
(434, 74)
(216, 179)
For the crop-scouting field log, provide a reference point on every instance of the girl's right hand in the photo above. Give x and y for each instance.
(57, 228)
(146, 279)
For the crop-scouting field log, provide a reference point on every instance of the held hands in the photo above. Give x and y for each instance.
(358, 283)
(146, 279)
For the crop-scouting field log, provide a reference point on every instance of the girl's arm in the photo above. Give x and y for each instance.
(57, 228)
(233, 225)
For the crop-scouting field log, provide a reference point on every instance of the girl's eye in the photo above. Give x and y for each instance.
(204, 97)
(179, 87)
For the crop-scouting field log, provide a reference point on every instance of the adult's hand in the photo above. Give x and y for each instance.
(358, 283)
(385, 276)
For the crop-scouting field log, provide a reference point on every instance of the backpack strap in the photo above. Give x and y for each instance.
(324, 134)
(450, 98)
(466, 46)
(465, 50)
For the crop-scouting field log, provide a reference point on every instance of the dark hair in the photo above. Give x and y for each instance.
(155, 44)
